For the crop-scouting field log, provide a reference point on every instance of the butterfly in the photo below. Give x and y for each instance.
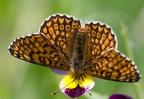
(79, 52)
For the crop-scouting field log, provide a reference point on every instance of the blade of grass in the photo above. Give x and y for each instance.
(129, 53)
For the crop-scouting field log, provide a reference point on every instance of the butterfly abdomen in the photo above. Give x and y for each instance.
(78, 59)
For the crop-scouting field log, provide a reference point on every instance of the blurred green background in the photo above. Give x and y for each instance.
(23, 80)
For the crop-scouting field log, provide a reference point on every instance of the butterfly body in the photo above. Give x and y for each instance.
(79, 54)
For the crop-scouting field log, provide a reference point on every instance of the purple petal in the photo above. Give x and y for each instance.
(76, 92)
(119, 96)
(60, 72)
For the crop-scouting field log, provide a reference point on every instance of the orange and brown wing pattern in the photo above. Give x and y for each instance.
(37, 49)
(101, 39)
(51, 47)
(60, 31)
(114, 66)
(54, 47)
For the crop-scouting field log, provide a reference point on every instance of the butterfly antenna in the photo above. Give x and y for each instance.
(55, 92)
(90, 93)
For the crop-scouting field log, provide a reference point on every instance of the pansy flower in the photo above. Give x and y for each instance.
(120, 96)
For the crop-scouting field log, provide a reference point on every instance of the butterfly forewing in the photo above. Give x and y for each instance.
(60, 31)
(101, 39)
(37, 49)
(114, 66)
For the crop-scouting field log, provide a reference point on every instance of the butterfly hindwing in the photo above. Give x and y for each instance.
(114, 66)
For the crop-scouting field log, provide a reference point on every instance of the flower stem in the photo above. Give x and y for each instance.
(129, 52)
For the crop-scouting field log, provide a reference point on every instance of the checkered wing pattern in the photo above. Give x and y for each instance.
(114, 66)
(36, 48)
(101, 39)
(106, 62)
(52, 46)
(60, 30)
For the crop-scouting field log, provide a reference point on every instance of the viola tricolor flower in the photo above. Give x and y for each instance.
(120, 96)
(80, 52)
(74, 86)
